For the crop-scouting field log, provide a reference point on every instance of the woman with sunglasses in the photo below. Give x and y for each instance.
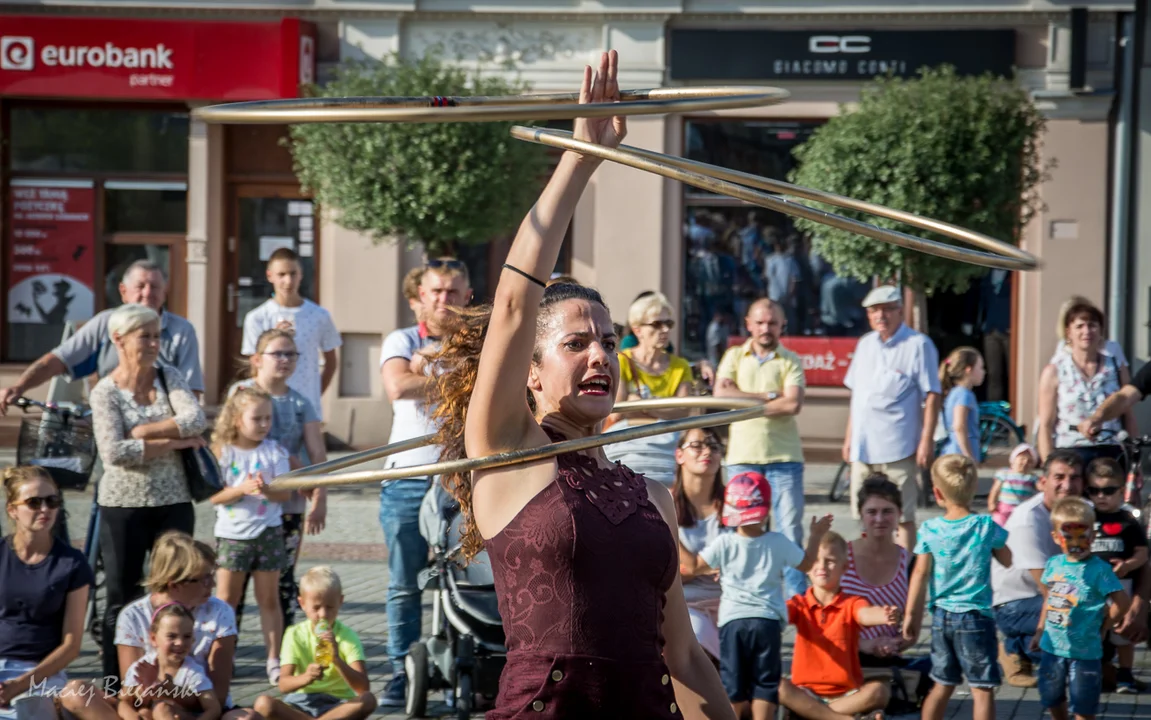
(44, 587)
(698, 495)
(182, 571)
(296, 426)
(649, 371)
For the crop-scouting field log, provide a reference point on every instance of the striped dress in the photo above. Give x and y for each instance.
(893, 593)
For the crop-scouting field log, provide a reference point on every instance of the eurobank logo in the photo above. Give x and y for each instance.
(19, 53)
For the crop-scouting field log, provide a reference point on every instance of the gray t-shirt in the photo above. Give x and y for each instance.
(290, 413)
(91, 349)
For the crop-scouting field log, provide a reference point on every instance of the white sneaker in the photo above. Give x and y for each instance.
(273, 671)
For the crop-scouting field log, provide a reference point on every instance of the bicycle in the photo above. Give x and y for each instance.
(997, 431)
(60, 440)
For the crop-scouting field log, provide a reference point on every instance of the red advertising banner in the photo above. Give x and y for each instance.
(825, 359)
(51, 266)
(99, 57)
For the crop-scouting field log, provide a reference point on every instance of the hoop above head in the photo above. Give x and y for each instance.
(995, 253)
(735, 410)
(550, 106)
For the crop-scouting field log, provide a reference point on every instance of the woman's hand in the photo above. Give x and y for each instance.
(601, 87)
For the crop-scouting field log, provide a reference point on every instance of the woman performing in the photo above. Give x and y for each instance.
(583, 551)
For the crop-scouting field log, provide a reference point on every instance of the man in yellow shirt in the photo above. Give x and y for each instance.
(761, 368)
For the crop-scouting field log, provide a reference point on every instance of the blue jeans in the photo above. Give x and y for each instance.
(786, 480)
(963, 645)
(1017, 621)
(1083, 678)
(407, 555)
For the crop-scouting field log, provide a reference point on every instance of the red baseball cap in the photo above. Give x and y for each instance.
(747, 500)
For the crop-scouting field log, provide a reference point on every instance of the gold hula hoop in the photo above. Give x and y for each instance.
(547, 106)
(735, 410)
(996, 253)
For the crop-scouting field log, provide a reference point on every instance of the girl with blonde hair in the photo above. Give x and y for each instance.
(249, 537)
(296, 425)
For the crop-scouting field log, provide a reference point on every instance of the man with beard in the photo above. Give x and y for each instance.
(443, 285)
(895, 396)
(763, 369)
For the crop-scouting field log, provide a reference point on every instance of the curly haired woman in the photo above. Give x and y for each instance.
(591, 631)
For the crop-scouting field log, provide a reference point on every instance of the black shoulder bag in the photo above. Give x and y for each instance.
(201, 470)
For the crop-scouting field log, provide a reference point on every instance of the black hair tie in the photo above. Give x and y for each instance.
(535, 280)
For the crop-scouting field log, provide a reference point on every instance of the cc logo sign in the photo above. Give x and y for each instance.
(839, 44)
(16, 53)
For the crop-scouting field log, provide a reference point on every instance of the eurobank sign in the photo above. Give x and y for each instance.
(154, 59)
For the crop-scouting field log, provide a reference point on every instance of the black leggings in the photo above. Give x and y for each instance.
(126, 537)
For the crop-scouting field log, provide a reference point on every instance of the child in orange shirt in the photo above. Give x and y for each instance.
(826, 677)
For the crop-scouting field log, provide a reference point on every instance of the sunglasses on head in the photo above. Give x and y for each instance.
(52, 502)
(445, 264)
(1108, 491)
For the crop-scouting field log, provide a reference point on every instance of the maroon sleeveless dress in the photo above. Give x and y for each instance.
(581, 574)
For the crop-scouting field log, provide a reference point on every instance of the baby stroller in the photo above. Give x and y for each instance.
(465, 652)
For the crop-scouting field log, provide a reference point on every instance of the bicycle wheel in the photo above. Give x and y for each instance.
(841, 484)
(998, 436)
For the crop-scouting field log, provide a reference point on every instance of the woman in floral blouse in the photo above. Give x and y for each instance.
(140, 430)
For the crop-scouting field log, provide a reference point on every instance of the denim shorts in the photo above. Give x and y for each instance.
(1084, 678)
(964, 645)
(750, 659)
(314, 704)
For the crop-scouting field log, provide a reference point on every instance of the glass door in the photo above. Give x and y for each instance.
(264, 219)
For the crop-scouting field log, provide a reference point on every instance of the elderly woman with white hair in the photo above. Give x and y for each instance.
(649, 371)
(143, 414)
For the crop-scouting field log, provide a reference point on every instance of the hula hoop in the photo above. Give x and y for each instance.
(738, 409)
(550, 106)
(996, 254)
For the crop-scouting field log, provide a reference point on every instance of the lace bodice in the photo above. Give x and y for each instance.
(585, 564)
(581, 574)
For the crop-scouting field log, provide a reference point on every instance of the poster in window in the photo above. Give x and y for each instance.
(51, 264)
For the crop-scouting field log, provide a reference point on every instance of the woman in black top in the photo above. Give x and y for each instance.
(44, 587)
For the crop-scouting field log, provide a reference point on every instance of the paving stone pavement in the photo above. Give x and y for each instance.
(352, 545)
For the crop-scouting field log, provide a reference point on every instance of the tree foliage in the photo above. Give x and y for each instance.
(960, 149)
(439, 184)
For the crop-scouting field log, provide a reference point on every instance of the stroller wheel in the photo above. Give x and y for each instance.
(463, 695)
(416, 666)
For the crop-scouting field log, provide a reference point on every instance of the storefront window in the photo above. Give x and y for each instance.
(49, 139)
(145, 207)
(736, 253)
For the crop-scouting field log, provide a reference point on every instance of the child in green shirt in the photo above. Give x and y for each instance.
(323, 674)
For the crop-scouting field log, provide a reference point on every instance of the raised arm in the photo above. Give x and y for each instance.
(498, 414)
(1048, 391)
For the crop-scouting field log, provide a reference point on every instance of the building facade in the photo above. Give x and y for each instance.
(211, 202)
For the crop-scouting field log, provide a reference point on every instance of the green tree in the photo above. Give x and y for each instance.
(435, 184)
(960, 149)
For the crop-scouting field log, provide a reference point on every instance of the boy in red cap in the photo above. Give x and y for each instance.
(751, 562)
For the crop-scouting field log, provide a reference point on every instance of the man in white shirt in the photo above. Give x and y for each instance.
(407, 382)
(895, 396)
(1018, 594)
(310, 325)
